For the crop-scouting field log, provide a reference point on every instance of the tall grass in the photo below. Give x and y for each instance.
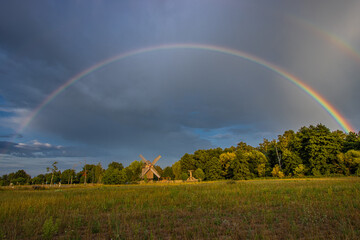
(258, 209)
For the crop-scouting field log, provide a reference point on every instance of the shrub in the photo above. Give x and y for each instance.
(199, 174)
(276, 172)
(184, 176)
(50, 228)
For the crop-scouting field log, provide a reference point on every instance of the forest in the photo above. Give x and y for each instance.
(311, 151)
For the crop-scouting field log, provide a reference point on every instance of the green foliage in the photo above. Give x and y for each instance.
(53, 177)
(159, 170)
(319, 148)
(176, 167)
(133, 171)
(98, 173)
(18, 178)
(50, 228)
(276, 172)
(300, 170)
(53, 169)
(67, 175)
(168, 173)
(93, 173)
(39, 179)
(184, 176)
(116, 165)
(350, 161)
(240, 167)
(199, 174)
(290, 160)
(351, 142)
(213, 169)
(313, 150)
(19, 181)
(225, 160)
(187, 162)
(256, 161)
(114, 176)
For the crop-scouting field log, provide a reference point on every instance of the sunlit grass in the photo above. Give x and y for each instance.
(256, 209)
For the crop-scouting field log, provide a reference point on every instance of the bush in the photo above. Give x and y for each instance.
(276, 172)
(199, 174)
(114, 176)
(50, 228)
(184, 176)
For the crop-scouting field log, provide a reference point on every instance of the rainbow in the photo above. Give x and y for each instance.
(345, 125)
(330, 37)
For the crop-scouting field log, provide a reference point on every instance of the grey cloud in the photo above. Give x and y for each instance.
(155, 102)
(14, 135)
(36, 149)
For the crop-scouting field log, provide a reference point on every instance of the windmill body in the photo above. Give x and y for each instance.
(148, 169)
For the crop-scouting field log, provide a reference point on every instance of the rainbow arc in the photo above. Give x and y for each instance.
(333, 112)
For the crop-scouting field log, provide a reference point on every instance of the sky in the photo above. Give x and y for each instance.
(168, 101)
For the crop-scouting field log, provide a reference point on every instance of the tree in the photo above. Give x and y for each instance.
(39, 179)
(291, 160)
(184, 176)
(213, 169)
(56, 177)
(99, 171)
(67, 175)
(52, 169)
(159, 170)
(187, 162)
(240, 167)
(176, 167)
(168, 173)
(276, 172)
(319, 149)
(20, 177)
(256, 162)
(114, 176)
(201, 157)
(133, 171)
(351, 161)
(4, 181)
(89, 173)
(300, 170)
(116, 165)
(199, 174)
(351, 142)
(225, 161)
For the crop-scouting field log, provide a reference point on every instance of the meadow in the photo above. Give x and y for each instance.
(314, 208)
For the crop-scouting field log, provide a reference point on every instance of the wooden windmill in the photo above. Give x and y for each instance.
(148, 169)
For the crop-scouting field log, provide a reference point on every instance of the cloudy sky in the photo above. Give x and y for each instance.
(172, 101)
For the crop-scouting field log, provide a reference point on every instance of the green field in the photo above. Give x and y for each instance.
(323, 208)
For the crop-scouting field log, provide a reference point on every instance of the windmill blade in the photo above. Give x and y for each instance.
(143, 159)
(144, 171)
(156, 159)
(154, 171)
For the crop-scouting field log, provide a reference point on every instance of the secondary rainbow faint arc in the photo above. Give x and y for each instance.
(345, 125)
(328, 36)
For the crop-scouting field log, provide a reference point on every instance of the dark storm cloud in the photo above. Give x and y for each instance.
(172, 101)
(36, 149)
(11, 136)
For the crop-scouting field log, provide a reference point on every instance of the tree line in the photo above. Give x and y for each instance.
(311, 151)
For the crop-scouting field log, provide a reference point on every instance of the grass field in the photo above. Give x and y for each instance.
(258, 209)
